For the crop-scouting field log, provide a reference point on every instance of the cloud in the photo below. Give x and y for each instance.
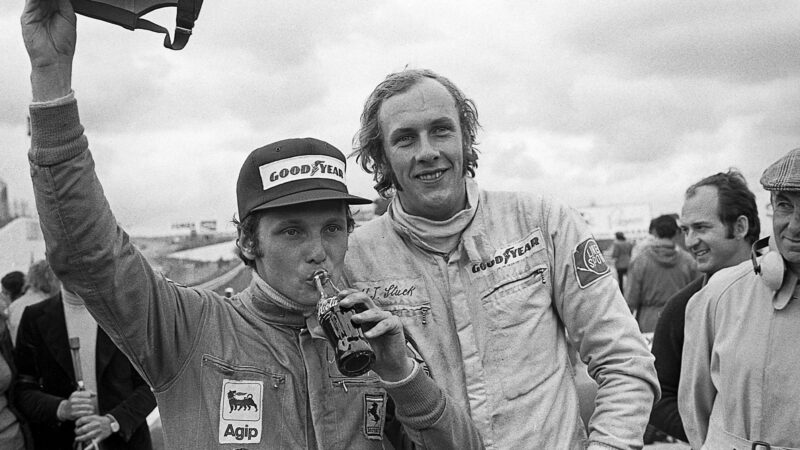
(738, 41)
(592, 102)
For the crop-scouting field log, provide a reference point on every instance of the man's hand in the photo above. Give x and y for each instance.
(92, 427)
(49, 33)
(79, 404)
(384, 332)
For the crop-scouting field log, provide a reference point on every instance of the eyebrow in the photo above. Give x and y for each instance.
(682, 224)
(400, 132)
(441, 121)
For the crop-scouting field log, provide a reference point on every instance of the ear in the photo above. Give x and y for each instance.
(741, 227)
(246, 247)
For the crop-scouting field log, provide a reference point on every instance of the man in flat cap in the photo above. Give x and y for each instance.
(738, 387)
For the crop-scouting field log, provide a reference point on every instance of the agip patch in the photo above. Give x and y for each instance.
(589, 263)
(240, 412)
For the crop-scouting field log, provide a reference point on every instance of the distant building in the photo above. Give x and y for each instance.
(631, 219)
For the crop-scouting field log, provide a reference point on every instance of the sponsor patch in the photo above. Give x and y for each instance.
(240, 412)
(589, 263)
(374, 415)
(393, 290)
(301, 168)
(512, 253)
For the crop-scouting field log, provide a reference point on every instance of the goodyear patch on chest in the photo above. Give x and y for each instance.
(509, 254)
(589, 263)
(374, 415)
(240, 412)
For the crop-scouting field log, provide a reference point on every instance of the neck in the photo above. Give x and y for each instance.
(71, 298)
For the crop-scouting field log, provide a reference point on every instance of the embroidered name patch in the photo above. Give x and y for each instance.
(589, 263)
(240, 412)
(301, 168)
(509, 254)
(374, 413)
(394, 289)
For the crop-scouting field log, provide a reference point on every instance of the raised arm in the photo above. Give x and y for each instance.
(92, 256)
(49, 32)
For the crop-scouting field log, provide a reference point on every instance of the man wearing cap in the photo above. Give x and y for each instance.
(496, 288)
(253, 371)
(738, 385)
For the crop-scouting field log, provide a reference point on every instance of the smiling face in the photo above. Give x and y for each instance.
(713, 245)
(423, 144)
(786, 227)
(297, 240)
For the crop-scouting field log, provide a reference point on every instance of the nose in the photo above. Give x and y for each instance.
(794, 222)
(316, 252)
(690, 238)
(428, 151)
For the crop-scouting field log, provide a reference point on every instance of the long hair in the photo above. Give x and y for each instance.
(368, 141)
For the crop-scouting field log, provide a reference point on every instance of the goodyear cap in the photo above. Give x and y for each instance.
(290, 172)
(783, 174)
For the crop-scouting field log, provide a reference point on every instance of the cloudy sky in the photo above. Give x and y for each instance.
(596, 103)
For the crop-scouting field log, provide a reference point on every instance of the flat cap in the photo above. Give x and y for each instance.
(783, 174)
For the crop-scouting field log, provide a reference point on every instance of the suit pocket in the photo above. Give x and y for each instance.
(242, 403)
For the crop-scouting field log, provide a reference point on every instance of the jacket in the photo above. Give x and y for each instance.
(227, 373)
(740, 357)
(621, 253)
(668, 349)
(491, 320)
(46, 377)
(655, 275)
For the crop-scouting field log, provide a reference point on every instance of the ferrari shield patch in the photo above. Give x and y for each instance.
(374, 415)
(589, 263)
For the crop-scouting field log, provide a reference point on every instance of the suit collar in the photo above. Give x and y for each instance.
(53, 327)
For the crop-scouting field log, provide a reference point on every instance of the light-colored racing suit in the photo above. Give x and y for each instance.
(490, 321)
(238, 373)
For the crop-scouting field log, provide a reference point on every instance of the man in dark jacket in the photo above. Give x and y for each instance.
(114, 407)
(720, 223)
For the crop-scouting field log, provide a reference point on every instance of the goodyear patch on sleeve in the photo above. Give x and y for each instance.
(589, 263)
(374, 415)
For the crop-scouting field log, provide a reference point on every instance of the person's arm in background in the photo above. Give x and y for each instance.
(130, 413)
(605, 334)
